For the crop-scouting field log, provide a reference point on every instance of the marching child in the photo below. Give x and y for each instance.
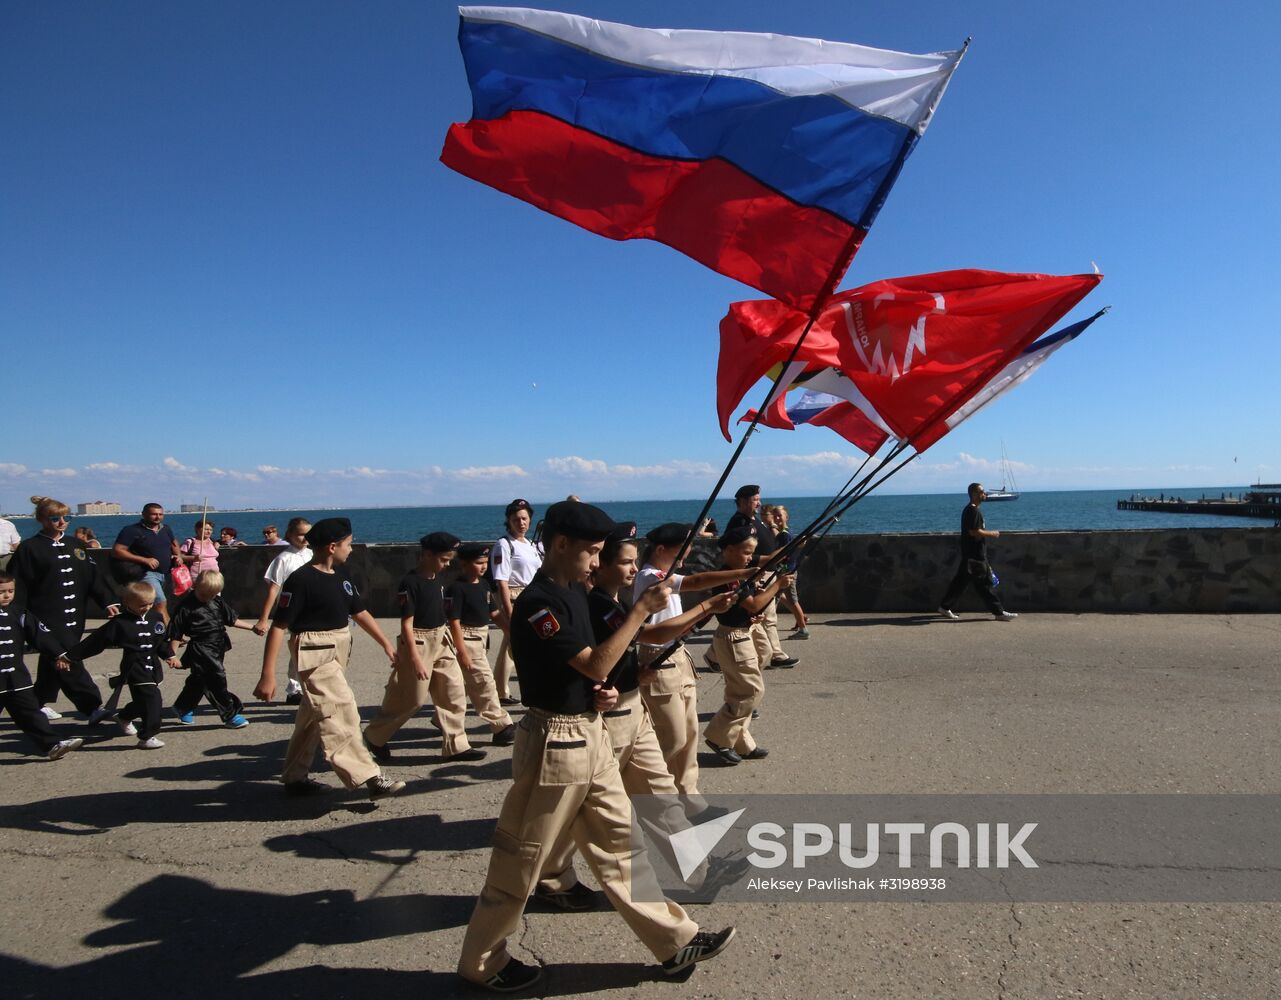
(141, 634)
(17, 694)
(727, 734)
(425, 667)
(469, 606)
(203, 616)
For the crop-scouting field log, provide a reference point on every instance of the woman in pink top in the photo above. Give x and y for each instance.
(201, 552)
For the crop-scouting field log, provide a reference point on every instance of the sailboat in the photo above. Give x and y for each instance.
(1009, 488)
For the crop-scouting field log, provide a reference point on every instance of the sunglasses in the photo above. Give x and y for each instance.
(64, 518)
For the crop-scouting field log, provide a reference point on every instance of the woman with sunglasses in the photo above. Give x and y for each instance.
(55, 579)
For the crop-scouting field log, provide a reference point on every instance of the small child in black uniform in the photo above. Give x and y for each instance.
(17, 694)
(142, 637)
(203, 616)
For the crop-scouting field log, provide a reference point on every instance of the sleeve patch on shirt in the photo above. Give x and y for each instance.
(285, 597)
(615, 619)
(403, 597)
(545, 623)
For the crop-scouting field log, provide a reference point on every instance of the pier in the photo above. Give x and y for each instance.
(1262, 501)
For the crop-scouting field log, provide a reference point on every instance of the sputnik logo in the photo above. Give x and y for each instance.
(691, 847)
(879, 329)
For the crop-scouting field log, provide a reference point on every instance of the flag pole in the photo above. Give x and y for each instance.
(820, 303)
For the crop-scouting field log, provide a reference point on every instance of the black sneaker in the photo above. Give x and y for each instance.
(381, 787)
(703, 946)
(294, 699)
(782, 663)
(509, 702)
(308, 786)
(514, 977)
(382, 754)
(578, 899)
(760, 753)
(471, 753)
(506, 736)
(727, 755)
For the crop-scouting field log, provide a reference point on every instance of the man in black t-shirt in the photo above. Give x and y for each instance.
(974, 569)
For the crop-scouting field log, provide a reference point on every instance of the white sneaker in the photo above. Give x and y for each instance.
(151, 744)
(49, 713)
(1006, 616)
(949, 614)
(100, 713)
(128, 728)
(60, 750)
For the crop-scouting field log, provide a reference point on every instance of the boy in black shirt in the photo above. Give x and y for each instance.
(141, 634)
(425, 666)
(17, 693)
(315, 604)
(204, 617)
(974, 569)
(469, 606)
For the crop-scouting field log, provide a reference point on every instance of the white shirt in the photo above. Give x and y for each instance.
(647, 578)
(285, 563)
(515, 561)
(8, 536)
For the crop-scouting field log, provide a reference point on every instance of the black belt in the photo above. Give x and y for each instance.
(617, 713)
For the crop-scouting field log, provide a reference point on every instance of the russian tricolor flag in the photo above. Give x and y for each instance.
(764, 157)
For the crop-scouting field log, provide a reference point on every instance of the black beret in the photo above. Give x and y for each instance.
(472, 550)
(516, 505)
(578, 520)
(329, 529)
(624, 531)
(749, 490)
(737, 535)
(671, 533)
(439, 541)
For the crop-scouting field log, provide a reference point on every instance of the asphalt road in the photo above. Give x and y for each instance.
(184, 872)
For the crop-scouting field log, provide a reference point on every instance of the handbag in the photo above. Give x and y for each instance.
(181, 577)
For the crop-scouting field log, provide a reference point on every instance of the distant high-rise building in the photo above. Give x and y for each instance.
(98, 507)
(192, 508)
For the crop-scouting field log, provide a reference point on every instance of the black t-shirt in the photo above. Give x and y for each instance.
(423, 598)
(469, 603)
(313, 601)
(607, 618)
(765, 541)
(737, 616)
(142, 541)
(971, 547)
(551, 625)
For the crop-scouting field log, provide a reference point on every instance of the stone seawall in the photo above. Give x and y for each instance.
(1213, 570)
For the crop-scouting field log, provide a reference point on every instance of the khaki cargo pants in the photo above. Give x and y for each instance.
(406, 693)
(744, 689)
(672, 700)
(564, 777)
(644, 770)
(328, 716)
(504, 665)
(478, 678)
(765, 635)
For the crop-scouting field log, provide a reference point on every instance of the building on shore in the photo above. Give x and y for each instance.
(98, 507)
(193, 508)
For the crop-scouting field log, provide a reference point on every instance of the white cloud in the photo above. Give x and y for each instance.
(481, 472)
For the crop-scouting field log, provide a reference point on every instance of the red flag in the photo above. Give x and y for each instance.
(912, 349)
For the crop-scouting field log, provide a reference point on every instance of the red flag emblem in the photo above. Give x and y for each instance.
(545, 624)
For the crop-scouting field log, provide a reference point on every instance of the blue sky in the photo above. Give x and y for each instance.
(231, 263)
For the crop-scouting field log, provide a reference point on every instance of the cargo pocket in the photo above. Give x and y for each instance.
(667, 680)
(314, 654)
(565, 762)
(513, 867)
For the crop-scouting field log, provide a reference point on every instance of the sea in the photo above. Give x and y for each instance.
(1069, 510)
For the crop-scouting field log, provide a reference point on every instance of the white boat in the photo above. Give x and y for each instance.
(1009, 488)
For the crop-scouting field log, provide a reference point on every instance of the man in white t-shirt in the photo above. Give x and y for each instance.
(294, 557)
(513, 561)
(9, 539)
